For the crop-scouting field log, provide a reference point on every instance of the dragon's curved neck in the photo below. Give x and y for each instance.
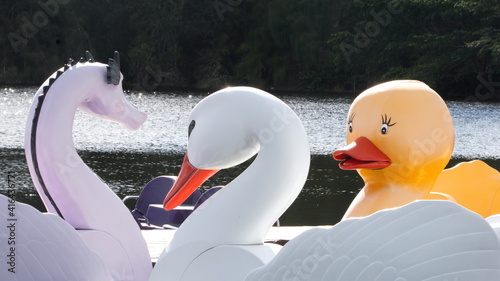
(49, 145)
(70, 188)
(67, 186)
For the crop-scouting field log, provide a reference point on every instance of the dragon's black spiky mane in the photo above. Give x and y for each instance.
(70, 63)
(113, 69)
(113, 66)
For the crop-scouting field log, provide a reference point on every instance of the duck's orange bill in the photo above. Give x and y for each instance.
(361, 154)
(188, 180)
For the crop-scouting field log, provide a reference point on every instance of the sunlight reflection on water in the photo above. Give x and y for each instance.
(477, 126)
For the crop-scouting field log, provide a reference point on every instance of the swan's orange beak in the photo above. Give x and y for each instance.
(361, 154)
(189, 179)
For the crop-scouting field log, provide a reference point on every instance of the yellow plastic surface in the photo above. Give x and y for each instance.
(410, 123)
(474, 185)
(418, 138)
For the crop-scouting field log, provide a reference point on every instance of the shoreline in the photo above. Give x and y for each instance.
(180, 153)
(277, 92)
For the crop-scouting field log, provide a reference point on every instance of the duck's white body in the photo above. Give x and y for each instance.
(223, 239)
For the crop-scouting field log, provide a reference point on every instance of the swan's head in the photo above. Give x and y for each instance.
(225, 129)
(106, 99)
(399, 131)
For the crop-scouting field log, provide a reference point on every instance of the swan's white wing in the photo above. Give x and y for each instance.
(36, 246)
(494, 221)
(425, 240)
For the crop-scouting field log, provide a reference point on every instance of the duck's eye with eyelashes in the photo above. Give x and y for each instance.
(386, 123)
(349, 122)
(191, 127)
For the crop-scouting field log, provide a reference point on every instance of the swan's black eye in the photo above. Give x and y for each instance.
(350, 127)
(191, 127)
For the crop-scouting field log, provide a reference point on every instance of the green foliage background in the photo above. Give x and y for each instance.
(313, 45)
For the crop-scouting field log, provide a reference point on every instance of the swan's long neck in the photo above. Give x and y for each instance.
(244, 210)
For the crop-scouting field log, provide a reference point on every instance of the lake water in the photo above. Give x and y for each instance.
(126, 160)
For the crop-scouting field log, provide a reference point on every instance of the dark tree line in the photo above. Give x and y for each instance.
(317, 45)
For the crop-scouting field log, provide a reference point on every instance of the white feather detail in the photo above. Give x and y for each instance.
(44, 247)
(425, 240)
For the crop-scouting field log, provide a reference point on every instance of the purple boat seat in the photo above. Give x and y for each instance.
(148, 210)
(177, 216)
(207, 194)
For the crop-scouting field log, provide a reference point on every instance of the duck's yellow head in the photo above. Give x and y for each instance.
(398, 132)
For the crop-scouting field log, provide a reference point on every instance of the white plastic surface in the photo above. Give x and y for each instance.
(77, 193)
(44, 247)
(231, 126)
(424, 240)
(229, 262)
(494, 222)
